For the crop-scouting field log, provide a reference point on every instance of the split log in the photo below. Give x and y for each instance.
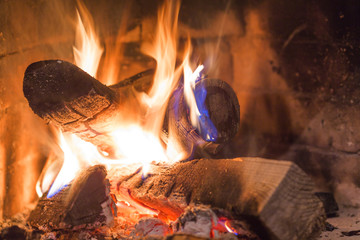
(276, 196)
(84, 202)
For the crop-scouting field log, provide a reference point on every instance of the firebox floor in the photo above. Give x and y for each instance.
(345, 226)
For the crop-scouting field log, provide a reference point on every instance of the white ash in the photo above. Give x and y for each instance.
(197, 221)
(151, 227)
(49, 236)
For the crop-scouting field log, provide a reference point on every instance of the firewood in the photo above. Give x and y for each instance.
(84, 202)
(63, 94)
(68, 97)
(275, 196)
(224, 112)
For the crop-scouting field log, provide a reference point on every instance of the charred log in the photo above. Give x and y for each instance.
(276, 196)
(63, 94)
(223, 111)
(84, 202)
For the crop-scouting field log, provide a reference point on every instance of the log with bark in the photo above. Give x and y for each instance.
(275, 196)
(85, 202)
(63, 94)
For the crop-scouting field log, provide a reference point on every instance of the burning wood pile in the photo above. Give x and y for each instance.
(151, 167)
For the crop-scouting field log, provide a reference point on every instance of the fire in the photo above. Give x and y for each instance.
(87, 49)
(69, 169)
(190, 78)
(195, 99)
(137, 143)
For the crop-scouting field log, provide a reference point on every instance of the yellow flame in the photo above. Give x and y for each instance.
(163, 50)
(137, 143)
(69, 169)
(87, 49)
(138, 146)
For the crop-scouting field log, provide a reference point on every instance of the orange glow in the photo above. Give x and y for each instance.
(87, 49)
(137, 142)
(229, 228)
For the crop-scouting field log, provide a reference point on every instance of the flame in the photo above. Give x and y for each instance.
(190, 78)
(87, 49)
(224, 225)
(68, 171)
(164, 51)
(195, 100)
(136, 145)
(229, 228)
(138, 142)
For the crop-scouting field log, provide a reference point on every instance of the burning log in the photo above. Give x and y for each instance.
(275, 196)
(85, 202)
(63, 94)
(221, 124)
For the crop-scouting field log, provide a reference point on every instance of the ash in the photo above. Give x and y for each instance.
(197, 221)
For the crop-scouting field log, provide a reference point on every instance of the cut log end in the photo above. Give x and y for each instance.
(223, 118)
(223, 107)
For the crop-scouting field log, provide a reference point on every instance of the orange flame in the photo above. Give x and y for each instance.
(138, 143)
(87, 49)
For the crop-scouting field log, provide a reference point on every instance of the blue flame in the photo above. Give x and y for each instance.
(52, 193)
(207, 128)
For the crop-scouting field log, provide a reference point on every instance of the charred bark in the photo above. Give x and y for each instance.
(63, 94)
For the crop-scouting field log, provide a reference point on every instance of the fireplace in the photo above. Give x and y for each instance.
(292, 66)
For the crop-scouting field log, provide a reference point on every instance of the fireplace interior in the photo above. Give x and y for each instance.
(284, 75)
